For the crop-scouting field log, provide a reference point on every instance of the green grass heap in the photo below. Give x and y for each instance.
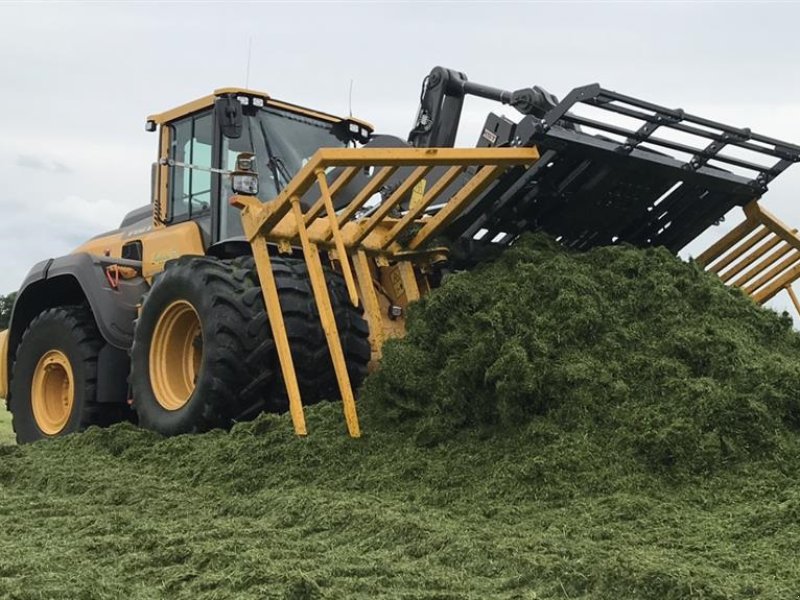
(614, 424)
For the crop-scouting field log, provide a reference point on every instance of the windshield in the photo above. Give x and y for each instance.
(283, 142)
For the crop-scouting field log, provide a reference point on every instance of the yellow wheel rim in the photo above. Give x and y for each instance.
(176, 355)
(53, 392)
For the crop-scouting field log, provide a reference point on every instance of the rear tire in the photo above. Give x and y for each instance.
(54, 380)
(201, 358)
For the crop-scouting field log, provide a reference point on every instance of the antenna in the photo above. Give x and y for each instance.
(350, 100)
(249, 52)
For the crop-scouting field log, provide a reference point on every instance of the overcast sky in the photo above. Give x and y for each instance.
(79, 79)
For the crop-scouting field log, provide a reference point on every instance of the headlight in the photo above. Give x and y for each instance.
(245, 183)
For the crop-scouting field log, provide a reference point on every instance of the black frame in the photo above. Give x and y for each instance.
(589, 190)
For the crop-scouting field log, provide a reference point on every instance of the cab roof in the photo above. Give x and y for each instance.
(208, 101)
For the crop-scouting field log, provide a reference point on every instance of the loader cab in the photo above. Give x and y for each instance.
(200, 141)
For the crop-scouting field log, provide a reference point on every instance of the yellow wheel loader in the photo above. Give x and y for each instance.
(283, 245)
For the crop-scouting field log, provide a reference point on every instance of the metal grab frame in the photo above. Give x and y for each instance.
(378, 235)
(761, 256)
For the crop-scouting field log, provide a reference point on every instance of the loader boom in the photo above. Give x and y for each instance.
(442, 100)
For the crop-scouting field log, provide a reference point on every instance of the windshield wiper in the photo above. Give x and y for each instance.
(274, 163)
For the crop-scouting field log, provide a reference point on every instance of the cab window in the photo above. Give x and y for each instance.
(190, 178)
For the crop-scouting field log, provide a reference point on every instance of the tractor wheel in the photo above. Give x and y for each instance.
(53, 385)
(201, 358)
(310, 354)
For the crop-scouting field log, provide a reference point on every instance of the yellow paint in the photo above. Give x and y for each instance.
(176, 355)
(363, 196)
(386, 208)
(726, 242)
(342, 181)
(392, 282)
(109, 245)
(183, 110)
(408, 280)
(275, 316)
(417, 194)
(159, 245)
(774, 280)
(763, 249)
(3, 364)
(763, 264)
(745, 259)
(328, 320)
(206, 102)
(452, 209)
(168, 243)
(372, 306)
(793, 297)
(416, 211)
(341, 253)
(740, 250)
(52, 392)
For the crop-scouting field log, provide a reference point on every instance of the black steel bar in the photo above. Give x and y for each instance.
(691, 151)
(608, 96)
(730, 136)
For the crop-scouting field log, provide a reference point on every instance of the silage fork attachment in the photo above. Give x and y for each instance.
(363, 231)
(761, 256)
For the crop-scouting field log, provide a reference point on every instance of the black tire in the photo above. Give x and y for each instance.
(235, 373)
(310, 354)
(71, 331)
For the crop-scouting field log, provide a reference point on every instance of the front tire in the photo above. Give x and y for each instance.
(312, 360)
(200, 360)
(54, 380)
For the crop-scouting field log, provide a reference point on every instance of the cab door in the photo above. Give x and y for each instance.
(190, 175)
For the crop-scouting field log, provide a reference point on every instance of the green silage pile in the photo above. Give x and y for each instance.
(644, 354)
(614, 424)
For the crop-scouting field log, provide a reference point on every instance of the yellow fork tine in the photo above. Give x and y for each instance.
(449, 211)
(426, 201)
(337, 185)
(793, 297)
(372, 306)
(341, 251)
(363, 196)
(279, 335)
(385, 208)
(328, 320)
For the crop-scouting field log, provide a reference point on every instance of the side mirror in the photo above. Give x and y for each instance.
(229, 116)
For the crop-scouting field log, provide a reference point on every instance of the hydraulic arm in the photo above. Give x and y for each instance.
(442, 100)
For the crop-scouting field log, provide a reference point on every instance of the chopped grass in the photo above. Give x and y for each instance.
(6, 433)
(508, 453)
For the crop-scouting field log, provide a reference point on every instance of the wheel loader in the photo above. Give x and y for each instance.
(283, 245)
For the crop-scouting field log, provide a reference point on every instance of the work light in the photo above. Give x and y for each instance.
(244, 180)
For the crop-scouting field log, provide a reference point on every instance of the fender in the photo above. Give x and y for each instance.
(76, 279)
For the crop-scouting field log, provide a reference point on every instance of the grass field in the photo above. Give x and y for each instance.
(645, 447)
(6, 434)
(261, 514)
